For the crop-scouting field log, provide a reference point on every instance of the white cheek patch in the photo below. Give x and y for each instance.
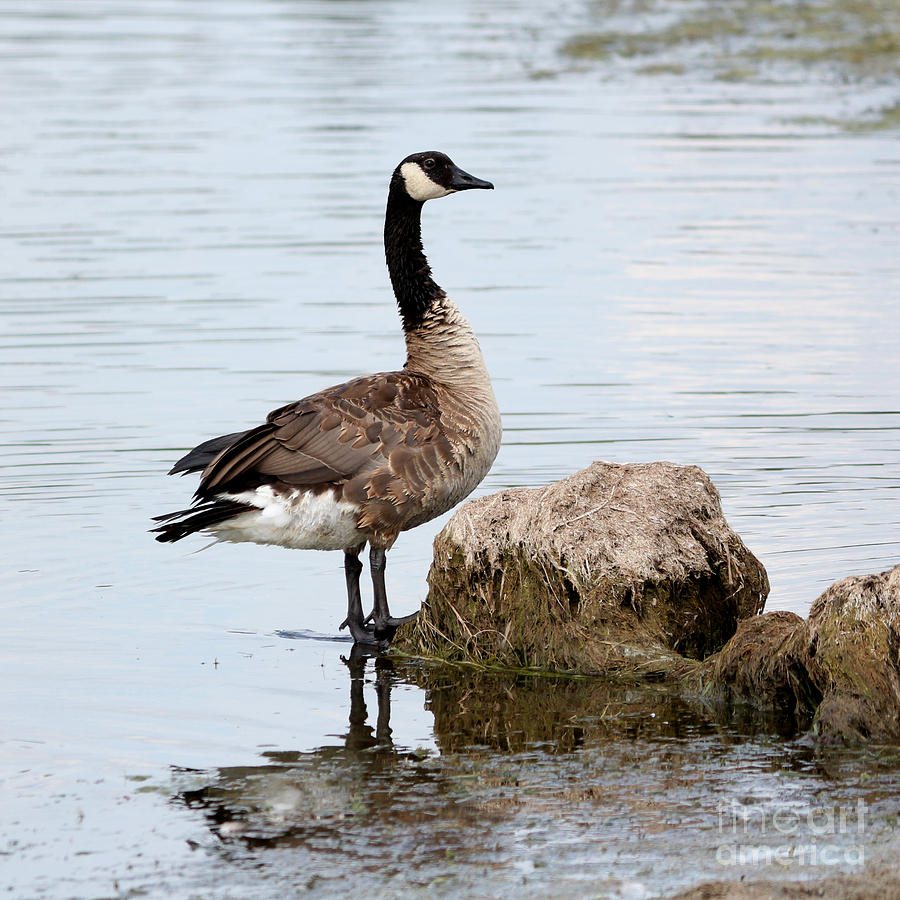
(418, 185)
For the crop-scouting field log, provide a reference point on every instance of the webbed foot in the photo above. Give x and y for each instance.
(365, 634)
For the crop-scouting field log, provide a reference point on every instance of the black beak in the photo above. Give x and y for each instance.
(463, 181)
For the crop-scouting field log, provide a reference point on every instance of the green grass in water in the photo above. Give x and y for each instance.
(853, 41)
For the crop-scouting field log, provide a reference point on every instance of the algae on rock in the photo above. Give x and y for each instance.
(616, 570)
(840, 667)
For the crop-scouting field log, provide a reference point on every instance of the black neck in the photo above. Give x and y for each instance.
(410, 273)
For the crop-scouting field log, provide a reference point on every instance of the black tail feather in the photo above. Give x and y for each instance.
(203, 454)
(186, 521)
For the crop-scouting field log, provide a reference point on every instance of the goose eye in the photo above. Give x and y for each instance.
(428, 164)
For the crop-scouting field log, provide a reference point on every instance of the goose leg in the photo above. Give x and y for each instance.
(362, 633)
(385, 624)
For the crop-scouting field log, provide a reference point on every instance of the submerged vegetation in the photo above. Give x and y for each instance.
(838, 41)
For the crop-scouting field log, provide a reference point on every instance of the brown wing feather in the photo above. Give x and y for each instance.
(379, 436)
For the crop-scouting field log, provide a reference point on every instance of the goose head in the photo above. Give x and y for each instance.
(432, 174)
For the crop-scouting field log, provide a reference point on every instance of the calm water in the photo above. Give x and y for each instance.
(671, 267)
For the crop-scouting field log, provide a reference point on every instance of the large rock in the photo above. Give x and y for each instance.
(619, 569)
(841, 666)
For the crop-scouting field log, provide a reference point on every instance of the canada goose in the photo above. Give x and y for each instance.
(362, 461)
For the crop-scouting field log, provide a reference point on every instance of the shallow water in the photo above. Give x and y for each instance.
(672, 267)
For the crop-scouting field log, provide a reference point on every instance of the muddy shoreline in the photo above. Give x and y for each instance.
(880, 881)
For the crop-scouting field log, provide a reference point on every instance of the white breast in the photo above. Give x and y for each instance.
(299, 520)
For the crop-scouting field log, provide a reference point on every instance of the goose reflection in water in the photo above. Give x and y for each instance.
(481, 719)
(296, 796)
(602, 761)
(361, 737)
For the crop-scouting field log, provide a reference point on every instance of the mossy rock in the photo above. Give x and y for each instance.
(838, 670)
(617, 570)
(763, 665)
(852, 652)
(631, 572)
